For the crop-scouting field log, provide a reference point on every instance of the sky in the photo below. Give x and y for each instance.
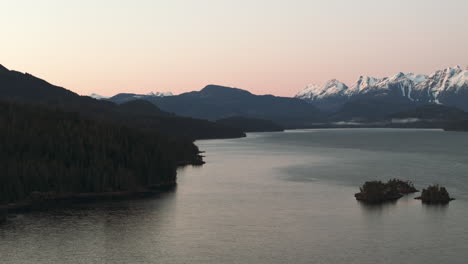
(264, 46)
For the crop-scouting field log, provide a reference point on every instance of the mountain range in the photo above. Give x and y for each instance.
(192, 114)
(125, 97)
(367, 100)
(216, 102)
(398, 92)
(140, 114)
(57, 145)
(64, 143)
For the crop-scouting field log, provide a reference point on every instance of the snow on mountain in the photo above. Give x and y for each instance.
(441, 87)
(460, 79)
(309, 92)
(402, 84)
(124, 97)
(334, 86)
(97, 96)
(417, 78)
(153, 94)
(363, 83)
(451, 79)
(330, 88)
(160, 94)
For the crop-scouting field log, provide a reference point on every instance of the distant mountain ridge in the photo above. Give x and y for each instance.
(216, 102)
(26, 88)
(125, 97)
(97, 96)
(367, 100)
(447, 86)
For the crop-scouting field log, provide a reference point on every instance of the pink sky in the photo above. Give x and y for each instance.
(266, 47)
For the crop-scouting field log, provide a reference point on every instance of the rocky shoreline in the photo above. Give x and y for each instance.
(435, 194)
(44, 200)
(39, 201)
(377, 192)
(380, 192)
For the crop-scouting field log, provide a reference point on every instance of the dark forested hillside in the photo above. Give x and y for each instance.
(16, 86)
(145, 115)
(25, 87)
(55, 141)
(217, 102)
(52, 151)
(457, 126)
(434, 112)
(369, 108)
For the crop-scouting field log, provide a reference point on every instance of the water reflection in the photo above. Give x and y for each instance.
(274, 198)
(435, 209)
(377, 209)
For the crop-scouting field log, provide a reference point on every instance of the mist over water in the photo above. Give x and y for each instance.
(271, 198)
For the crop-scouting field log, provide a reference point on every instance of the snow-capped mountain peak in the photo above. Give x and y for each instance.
(309, 91)
(444, 79)
(333, 87)
(334, 83)
(97, 96)
(330, 88)
(398, 75)
(447, 86)
(459, 79)
(159, 94)
(364, 82)
(416, 78)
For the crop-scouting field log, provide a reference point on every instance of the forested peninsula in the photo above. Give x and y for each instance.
(58, 145)
(48, 152)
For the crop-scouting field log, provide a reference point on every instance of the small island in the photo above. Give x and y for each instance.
(379, 192)
(435, 194)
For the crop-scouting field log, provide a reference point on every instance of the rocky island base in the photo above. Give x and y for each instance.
(435, 194)
(380, 192)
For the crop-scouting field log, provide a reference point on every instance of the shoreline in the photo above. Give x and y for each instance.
(42, 201)
(38, 201)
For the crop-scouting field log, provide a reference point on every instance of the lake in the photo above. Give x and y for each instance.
(271, 198)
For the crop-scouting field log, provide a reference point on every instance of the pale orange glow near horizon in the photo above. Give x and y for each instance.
(266, 47)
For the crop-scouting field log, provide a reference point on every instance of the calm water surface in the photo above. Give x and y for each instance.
(271, 198)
